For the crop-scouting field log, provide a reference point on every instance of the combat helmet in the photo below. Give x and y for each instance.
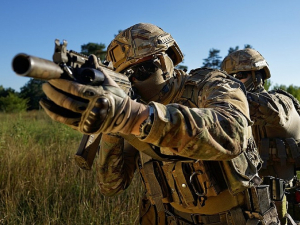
(245, 60)
(139, 42)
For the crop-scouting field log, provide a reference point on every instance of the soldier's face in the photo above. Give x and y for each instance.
(148, 79)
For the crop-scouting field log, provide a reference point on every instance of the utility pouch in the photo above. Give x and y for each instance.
(260, 208)
(191, 182)
(277, 187)
(261, 198)
(182, 184)
(240, 173)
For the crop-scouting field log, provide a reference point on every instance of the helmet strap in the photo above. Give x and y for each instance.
(162, 65)
(254, 78)
(255, 82)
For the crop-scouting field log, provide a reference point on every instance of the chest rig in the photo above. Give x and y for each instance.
(280, 145)
(187, 182)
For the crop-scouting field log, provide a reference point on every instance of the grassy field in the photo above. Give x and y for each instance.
(41, 184)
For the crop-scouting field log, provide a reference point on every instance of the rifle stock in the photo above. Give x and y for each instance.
(77, 67)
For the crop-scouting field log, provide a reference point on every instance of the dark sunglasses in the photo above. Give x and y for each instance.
(141, 71)
(241, 75)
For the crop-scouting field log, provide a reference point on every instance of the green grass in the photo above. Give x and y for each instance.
(41, 184)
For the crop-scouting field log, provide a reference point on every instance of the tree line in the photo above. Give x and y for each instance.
(30, 94)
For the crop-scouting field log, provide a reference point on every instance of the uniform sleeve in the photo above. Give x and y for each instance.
(266, 108)
(116, 166)
(217, 130)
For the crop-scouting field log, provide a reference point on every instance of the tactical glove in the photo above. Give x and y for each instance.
(91, 109)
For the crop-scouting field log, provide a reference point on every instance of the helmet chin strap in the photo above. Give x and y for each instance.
(161, 63)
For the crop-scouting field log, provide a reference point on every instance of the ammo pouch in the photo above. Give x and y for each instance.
(276, 187)
(279, 150)
(277, 194)
(261, 209)
(241, 172)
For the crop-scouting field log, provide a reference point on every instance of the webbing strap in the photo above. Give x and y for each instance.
(264, 151)
(168, 171)
(294, 149)
(155, 192)
(142, 146)
(281, 151)
(183, 188)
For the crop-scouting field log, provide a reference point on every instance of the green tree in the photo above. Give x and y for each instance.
(94, 48)
(231, 49)
(5, 91)
(247, 46)
(13, 103)
(213, 60)
(267, 84)
(32, 91)
(292, 89)
(182, 67)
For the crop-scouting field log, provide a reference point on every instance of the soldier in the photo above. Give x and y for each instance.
(189, 136)
(276, 126)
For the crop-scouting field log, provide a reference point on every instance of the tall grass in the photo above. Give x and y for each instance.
(41, 184)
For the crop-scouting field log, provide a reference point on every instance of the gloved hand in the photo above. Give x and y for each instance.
(91, 109)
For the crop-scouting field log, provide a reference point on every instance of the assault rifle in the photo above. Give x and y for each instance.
(74, 66)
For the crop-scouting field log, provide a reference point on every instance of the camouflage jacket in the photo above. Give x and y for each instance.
(206, 119)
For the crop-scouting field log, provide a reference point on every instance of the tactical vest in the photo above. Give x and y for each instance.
(189, 183)
(279, 146)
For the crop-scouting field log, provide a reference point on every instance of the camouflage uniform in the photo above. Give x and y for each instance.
(276, 127)
(198, 162)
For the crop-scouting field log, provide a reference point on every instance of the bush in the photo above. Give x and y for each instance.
(12, 103)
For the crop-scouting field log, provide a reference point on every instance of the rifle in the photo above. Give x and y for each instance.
(71, 65)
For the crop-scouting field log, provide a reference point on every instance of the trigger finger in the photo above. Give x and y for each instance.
(66, 101)
(68, 86)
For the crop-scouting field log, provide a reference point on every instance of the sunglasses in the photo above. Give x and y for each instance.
(141, 71)
(241, 75)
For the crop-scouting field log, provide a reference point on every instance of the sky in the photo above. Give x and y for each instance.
(272, 27)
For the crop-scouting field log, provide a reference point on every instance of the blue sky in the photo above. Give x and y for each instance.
(271, 26)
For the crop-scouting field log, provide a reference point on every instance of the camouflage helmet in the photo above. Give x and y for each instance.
(139, 41)
(245, 60)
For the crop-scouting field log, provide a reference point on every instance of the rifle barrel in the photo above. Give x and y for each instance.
(38, 68)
